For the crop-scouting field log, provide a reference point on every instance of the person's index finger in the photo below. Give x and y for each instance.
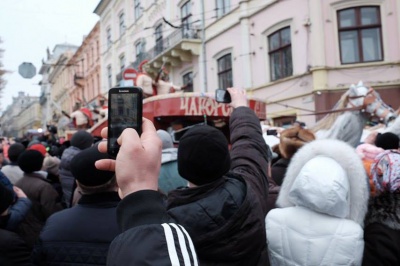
(148, 126)
(104, 132)
(105, 165)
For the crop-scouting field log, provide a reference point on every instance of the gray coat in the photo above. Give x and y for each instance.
(67, 180)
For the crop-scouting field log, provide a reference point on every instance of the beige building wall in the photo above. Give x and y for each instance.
(29, 118)
(61, 80)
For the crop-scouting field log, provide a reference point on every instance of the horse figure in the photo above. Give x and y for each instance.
(348, 117)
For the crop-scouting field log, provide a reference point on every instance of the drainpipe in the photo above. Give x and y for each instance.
(203, 48)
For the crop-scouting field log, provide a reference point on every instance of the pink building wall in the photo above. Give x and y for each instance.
(87, 88)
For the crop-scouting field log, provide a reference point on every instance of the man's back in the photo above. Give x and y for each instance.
(225, 218)
(44, 203)
(81, 234)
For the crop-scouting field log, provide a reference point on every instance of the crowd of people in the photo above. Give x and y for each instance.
(209, 201)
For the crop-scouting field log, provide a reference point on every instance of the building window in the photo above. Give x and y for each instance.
(280, 54)
(122, 24)
(109, 76)
(360, 35)
(109, 41)
(159, 39)
(188, 80)
(122, 62)
(186, 20)
(138, 49)
(137, 8)
(222, 7)
(225, 72)
(92, 55)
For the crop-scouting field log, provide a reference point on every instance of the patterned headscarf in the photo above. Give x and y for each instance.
(386, 172)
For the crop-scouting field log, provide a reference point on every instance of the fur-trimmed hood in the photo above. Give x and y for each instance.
(292, 139)
(347, 158)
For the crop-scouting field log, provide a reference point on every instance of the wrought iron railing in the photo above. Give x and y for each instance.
(170, 41)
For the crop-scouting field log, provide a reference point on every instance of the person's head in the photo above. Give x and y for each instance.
(299, 124)
(14, 151)
(328, 191)
(88, 177)
(203, 155)
(30, 161)
(387, 141)
(6, 199)
(165, 138)
(82, 139)
(386, 172)
(77, 106)
(38, 147)
(292, 139)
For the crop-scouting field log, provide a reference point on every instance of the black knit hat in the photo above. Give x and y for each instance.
(82, 139)
(30, 161)
(6, 198)
(14, 151)
(203, 155)
(84, 170)
(387, 141)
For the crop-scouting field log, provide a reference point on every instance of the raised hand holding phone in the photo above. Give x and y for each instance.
(138, 162)
(125, 106)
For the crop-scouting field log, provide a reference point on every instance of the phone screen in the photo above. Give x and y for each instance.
(124, 111)
(222, 96)
(272, 132)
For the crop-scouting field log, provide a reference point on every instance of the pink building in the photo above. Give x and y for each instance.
(298, 56)
(85, 73)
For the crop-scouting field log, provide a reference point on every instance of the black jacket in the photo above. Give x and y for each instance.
(45, 202)
(146, 240)
(382, 231)
(80, 235)
(13, 249)
(226, 218)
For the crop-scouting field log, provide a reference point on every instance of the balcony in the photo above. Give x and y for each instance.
(176, 48)
(79, 79)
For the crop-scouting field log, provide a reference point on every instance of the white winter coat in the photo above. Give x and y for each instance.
(323, 201)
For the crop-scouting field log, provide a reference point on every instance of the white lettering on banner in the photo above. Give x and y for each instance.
(130, 75)
(201, 106)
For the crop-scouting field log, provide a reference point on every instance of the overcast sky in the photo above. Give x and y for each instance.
(28, 27)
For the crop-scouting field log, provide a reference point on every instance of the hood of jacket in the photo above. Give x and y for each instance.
(310, 190)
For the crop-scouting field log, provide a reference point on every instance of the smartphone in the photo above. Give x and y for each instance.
(272, 132)
(125, 110)
(222, 96)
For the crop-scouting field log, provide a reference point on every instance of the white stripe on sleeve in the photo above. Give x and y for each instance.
(171, 245)
(182, 244)
(193, 251)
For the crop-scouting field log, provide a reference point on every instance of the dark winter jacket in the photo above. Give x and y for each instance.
(146, 240)
(45, 202)
(13, 249)
(80, 235)
(67, 180)
(18, 212)
(226, 218)
(278, 171)
(382, 231)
